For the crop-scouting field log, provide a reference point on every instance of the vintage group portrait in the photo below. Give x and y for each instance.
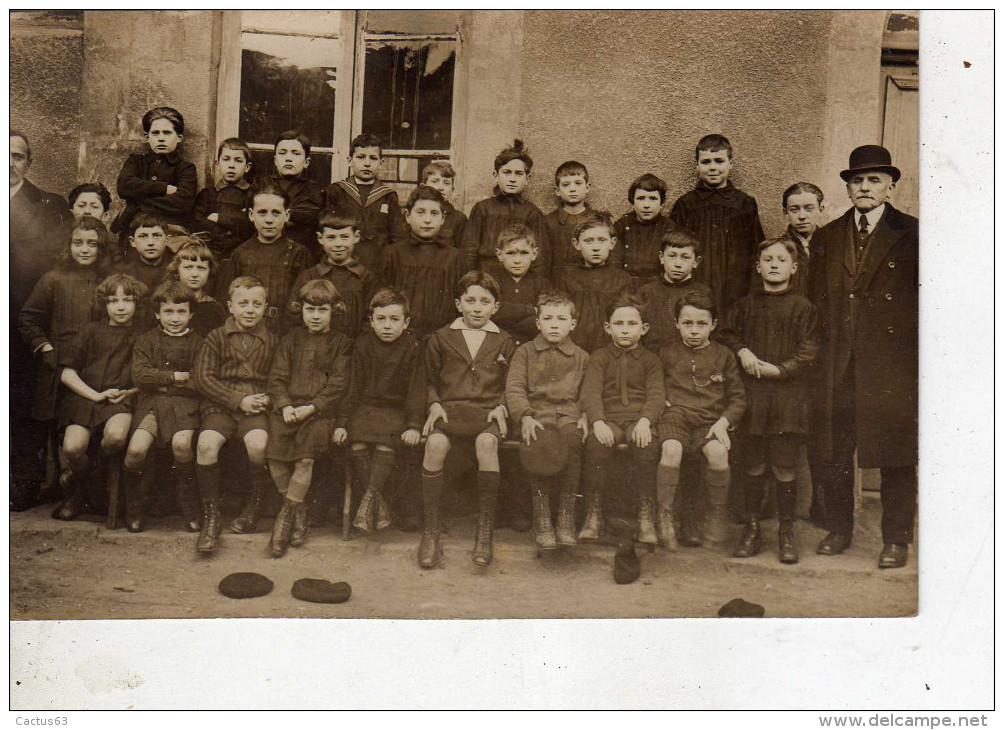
(464, 314)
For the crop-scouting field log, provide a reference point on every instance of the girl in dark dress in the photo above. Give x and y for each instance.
(97, 372)
(194, 265)
(309, 378)
(773, 333)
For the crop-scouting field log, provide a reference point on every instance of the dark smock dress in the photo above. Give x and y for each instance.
(157, 356)
(102, 356)
(592, 289)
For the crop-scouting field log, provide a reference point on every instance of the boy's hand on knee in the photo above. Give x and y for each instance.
(603, 433)
(436, 411)
(720, 432)
(411, 437)
(528, 426)
(641, 434)
(499, 414)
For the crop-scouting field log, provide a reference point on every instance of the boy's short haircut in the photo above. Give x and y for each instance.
(365, 140)
(92, 187)
(697, 300)
(632, 301)
(478, 278)
(164, 112)
(270, 188)
(319, 292)
(713, 143)
(388, 297)
(245, 282)
(24, 138)
(237, 145)
(192, 249)
(291, 134)
(680, 238)
(337, 222)
(441, 167)
(796, 189)
(146, 219)
(515, 232)
(649, 182)
(556, 298)
(567, 169)
(172, 292)
(788, 244)
(517, 151)
(596, 219)
(424, 192)
(130, 286)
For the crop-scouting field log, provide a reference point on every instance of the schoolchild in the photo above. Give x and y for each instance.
(639, 231)
(542, 393)
(305, 197)
(706, 399)
(425, 267)
(623, 396)
(90, 200)
(724, 218)
(593, 283)
(338, 237)
(384, 407)
(309, 378)
(519, 286)
(571, 186)
(194, 266)
(61, 303)
(221, 209)
(803, 208)
(364, 197)
(680, 256)
(506, 206)
(270, 255)
(440, 175)
(465, 369)
(97, 373)
(773, 333)
(231, 371)
(157, 181)
(148, 241)
(167, 407)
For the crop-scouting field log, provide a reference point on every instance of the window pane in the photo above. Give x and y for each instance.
(413, 21)
(262, 164)
(408, 93)
(288, 82)
(315, 22)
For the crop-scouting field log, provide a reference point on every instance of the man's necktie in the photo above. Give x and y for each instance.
(860, 241)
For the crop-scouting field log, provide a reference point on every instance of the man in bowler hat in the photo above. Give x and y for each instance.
(866, 288)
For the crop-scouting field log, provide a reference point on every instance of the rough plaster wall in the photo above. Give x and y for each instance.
(45, 80)
(138, 60)
(630, 92)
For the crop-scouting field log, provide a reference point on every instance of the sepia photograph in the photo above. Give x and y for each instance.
(464, 314)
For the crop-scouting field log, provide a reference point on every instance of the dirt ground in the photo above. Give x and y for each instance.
(81, 570)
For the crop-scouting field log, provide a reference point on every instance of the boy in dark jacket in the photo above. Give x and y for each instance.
(362, 196)
(519, 287)
(571, 185)
(680, 256)
(440, 175)
(640, 231)
(221, 209)
(306, 196)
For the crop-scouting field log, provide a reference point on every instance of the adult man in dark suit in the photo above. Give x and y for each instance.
(36, 222)
(866, 287)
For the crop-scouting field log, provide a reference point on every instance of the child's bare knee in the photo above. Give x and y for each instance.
(486, 445)
(717, 455)
(135, 455)
(208, 450)
(672, 452)
(358, 446)
(783, 473)
(181, 447)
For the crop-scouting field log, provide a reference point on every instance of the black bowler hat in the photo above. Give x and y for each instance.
(870, 157)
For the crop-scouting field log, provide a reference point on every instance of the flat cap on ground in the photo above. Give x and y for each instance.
(316, 590)
(245, 585)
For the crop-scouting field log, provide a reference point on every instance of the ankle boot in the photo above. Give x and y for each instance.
(430, 552)
(186, 493)
(483, 540)
(594, 519)
(383, 519)
(298, 536)
(135, 499)
(543, 531)
(716, 519)
(787, 552)
(247, 520)
(211, 526)
(749, 544)
(566, 519)
(364, 515)
(646, 523)
(664, 526)
(75, 486)
(281, 529)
